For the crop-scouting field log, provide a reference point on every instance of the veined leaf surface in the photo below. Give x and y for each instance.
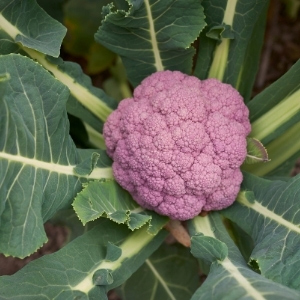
(107, 197)
(87, 268)
(90, 104)
(29, 25)
(211, 242)
(269, 212)
(170, 273)
(153, 35)
(225, 55)
(37, 155)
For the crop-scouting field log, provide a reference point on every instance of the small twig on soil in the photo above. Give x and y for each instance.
(179, 232)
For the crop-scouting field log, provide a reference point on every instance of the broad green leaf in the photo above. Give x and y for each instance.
(79, 40)
(87, 102)
(252, 57)
(226, 56)
(229, 276)
(26, 23)
(269, 213)
(170, 273)
(90, 104)
(152, 35)
(76, 270)
(107, 198)
(240, 238)
(37, 156)
(208, 248)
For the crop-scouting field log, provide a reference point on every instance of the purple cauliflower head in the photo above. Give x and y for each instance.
(178, 144)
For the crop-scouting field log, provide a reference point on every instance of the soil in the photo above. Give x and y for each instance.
(281, 50)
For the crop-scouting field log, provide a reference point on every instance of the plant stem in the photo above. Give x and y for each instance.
(179, 232)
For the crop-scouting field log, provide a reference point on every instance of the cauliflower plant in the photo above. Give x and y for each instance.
(178, 144)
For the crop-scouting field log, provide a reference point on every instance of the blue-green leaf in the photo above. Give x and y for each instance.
(108, 198)
(77, 270)
(37, 156)
(29, 25)
(153, 35)
(169, 273)
(90, 104)
(225, 44)
(271, 218)
(229, 276)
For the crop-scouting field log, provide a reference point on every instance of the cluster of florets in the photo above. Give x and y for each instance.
(178, 144)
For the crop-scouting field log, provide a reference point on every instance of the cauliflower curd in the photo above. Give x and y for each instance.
(178, 144)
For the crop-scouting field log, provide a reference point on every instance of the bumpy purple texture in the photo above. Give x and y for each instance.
(178, 144)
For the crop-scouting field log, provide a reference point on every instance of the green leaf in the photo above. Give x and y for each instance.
(90, 104)
(37, 155)
(276, 108)
(87, 102)
(103, 160)
(87, 275)
(283, 153)
(79, 40)
(33, 123)
(274, 115)
(243, 241)
(256, 152)
(86, 167)
(252, 57)
(208, 248)
(107, 197)
(29, 25)
(227, 59)
(170, 273)
(161, 31)
(272, 220)
(113, 252)
(220, 32)
(103, 277)
(231, 270)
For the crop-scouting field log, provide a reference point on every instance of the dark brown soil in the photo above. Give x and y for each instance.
(281, 48)
(280, 52)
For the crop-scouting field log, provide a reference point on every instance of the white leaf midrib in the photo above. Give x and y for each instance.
(13, 31)
(50, 166)
(160, 279)
(80, 92)
(264, 211)
(68, 170)
(203, 225)
(238, 276)
(157, 58)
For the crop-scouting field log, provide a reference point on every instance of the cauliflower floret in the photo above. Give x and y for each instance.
(178, 144)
